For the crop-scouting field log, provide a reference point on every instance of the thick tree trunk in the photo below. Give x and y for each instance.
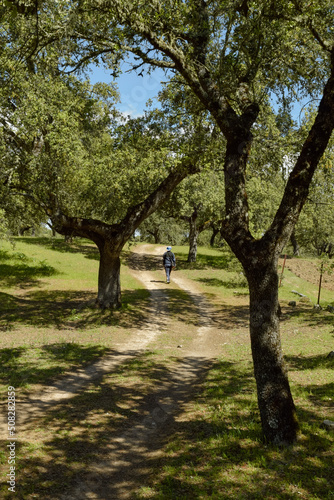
(156, 236)
(259, 260)
(109, 283)
(277, 410)
(156, 239)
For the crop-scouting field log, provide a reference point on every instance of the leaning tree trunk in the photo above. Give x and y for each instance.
(277, 410)
(109, 283)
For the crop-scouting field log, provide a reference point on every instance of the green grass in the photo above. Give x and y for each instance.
(292, 282)
(48, 289)
(218, 453)
(22, 367)
(207, 258)
(214, 448)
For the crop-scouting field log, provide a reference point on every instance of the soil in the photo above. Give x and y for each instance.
(309, 271)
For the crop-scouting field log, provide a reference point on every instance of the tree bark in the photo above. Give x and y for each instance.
(193, 237)
(215, 231)
(277, 410)
(192, 254)
(155, 234)
(22, 230)
(109, 282)
(194, 232)
(259, 259)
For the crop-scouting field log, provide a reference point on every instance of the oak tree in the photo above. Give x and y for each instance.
(66, 149)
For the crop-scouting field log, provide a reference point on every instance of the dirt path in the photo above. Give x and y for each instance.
(126, 460)
(72, 382)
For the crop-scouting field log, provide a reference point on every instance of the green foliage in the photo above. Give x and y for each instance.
(3, 225)
(264, 198)
(163, 228)
(66, 148)
(134, 164)
(315, 229)
(241, 43)
(204, 191)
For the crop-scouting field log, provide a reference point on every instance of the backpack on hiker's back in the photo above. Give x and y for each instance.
(169, 259)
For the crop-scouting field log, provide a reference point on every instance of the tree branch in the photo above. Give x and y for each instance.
(137, 214)
(93, 229)
(297, 188)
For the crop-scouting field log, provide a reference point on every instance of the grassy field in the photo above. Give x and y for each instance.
(49, 325)
(47, 312)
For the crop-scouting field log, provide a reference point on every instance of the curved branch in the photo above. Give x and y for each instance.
(137, 214)
(92, 229)
(297, 188)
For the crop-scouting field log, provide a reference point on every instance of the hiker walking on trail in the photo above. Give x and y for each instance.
(169, 262)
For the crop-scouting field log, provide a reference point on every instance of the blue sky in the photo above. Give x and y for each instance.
(134, 90)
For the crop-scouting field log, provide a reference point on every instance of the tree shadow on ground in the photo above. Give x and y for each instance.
(18, 366)
(318, 394)
(24, 274)
(321, 395)
(228, 317)
(182, 307)
(71, 309)
(116, 436)
(63, 309)
(309, 362)
(236, 282)
(142, 262)
(223, 456)
(42, 308)
(119, 413)
(88, 249)
(310, 316)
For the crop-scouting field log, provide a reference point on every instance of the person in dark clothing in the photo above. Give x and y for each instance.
(169, 262)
